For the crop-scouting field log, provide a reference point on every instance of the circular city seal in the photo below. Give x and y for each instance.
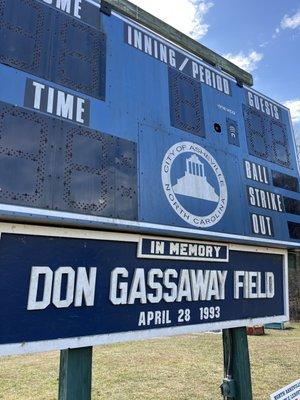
(194, 184)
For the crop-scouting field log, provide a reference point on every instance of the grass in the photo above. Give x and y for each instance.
(180, 368)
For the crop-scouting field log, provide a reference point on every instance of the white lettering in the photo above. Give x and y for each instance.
(36, 274)
(50, 100)
(138, 287)
(77, 9)
(80, 110)
(64, 105)
(64, 5)
(57, 299)
(170, 296)
(116, 287)
(156, 286)
(38, 94)
(85, 287)
(184, 286)
(195, 69)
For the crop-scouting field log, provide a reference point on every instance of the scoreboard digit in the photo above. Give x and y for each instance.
(49, 44)
(186, 110)
(266, 137)
(85, 177)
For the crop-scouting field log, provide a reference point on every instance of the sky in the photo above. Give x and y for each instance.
(262, 37)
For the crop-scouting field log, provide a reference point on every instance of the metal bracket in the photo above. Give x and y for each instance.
(228, 388)
(105, 8)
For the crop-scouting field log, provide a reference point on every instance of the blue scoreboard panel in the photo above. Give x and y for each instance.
(105, 124)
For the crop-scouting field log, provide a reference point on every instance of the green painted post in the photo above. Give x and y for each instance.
(237, 362)
(75, 375)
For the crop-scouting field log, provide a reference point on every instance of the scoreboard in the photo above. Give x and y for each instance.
(166, 165)
(105, 124)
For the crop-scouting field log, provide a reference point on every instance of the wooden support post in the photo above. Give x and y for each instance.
(75, 375)
(237, 362)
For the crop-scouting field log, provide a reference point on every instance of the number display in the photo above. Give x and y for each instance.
(23, 138)
(292, 206)
(23, 35)
(294, 230)
(267, 138)
(285, 181)
(50, 163)
(280, 143)
(87, 180)
(186, 103)
(40, 40)
(80, 57)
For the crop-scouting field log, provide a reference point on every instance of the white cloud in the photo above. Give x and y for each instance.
(245, 61)
(185, 15)
(292, 22)
(264, 44)
(276, 33)
(294, 106)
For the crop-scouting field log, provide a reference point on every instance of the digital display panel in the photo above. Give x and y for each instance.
(186, 109)
(285, 181)
(105, 124)
(266, 138)
(72, 53)
(53, 164)
(294, 229)
(292, 206)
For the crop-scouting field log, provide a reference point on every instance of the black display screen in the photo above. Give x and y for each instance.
(285, 181)
(266, 137)
(45, 42)
(294, 230)
(292, 206)
(49, 163)
(186, 106)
